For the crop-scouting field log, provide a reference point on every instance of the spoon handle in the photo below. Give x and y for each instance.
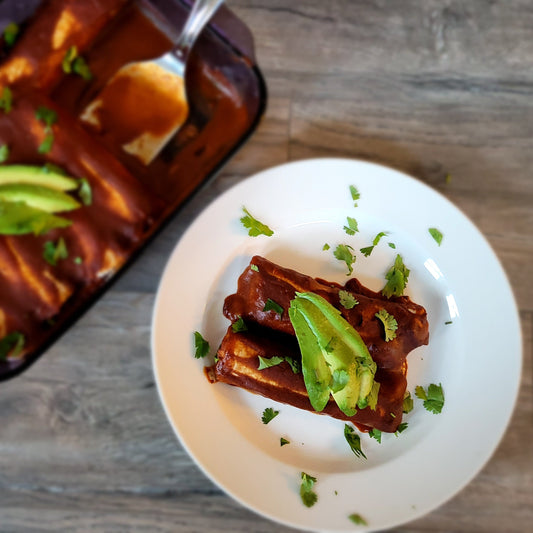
(200, 14)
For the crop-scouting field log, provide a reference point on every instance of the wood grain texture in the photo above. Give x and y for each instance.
(433, 88)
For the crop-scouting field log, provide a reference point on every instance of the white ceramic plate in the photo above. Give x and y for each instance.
(476, 358)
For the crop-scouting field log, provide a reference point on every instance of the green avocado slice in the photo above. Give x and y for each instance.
(343, 350)
(44, 198)
(317, 376)
(18, 218)
(34, 175)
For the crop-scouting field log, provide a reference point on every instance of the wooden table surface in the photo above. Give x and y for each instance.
(432, 88)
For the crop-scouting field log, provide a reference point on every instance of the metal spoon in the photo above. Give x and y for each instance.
(154, 89)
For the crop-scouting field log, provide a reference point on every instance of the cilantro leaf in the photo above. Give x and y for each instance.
(283, 441)
(53, 252)
(11, 345)
(268, 362)
(340, 378)
(81, 68)
(239, 325)
(308, 496)
(347, 299)
(389, 324)
(74, 63)
(271, 305)
(11, 32)
(201, 346)
(46, 115)
(375, 434)
(378, 237)
(352, 226)
(255, 227)
(354, 440)
(367, 250)
(355, 194)
(397, 278)
(295, 364)
(6, 100)
(268, 415)
(437, 235)
(343, 252)
(326, 246)
(392, 245)
(358, 519)
(68, 58)
(47, 143)
(4, 153)
(401, 427)
(433, 397)
(255, 268)
(407, 402)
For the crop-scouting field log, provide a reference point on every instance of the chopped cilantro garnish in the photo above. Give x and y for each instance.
(4, 153)
(47, 143)
(271, 305)
(401, 427)
(358, 519)
(343, 252)
(11, 345)
(255, 268)
(352, 226)
(389, 324)
(355, 194)
(46, 115)
(201, 346)
(354, 440)
(433, 397)
(11, 32)
(407, 402)
(392, 245)
(85, 192)
(239, 325)
(68, 58)
(368, 249)
(52, 253)
(72, 62)
(6, 100)
(283, 441)
(436, 234)
(308, 496)
(347, 299)
(375, 434)
(268, 415)
(397, 278)
(326, 247)
(78, 260)
(448, 322)
(339, 380)
(255, 227)
(49, 117)
(268, 362)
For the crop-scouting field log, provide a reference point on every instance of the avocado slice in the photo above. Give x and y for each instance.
(18, 218)
(44, 198)
(33, 175)
(317, 375)
(343, 350)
